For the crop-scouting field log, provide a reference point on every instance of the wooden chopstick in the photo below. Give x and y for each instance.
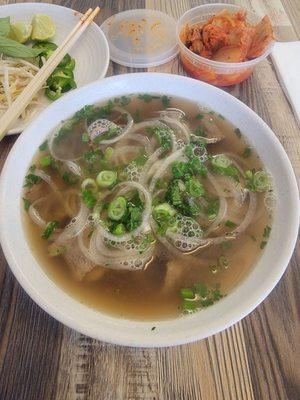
(21, 102)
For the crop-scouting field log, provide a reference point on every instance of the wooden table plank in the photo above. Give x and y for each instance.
(255, 359)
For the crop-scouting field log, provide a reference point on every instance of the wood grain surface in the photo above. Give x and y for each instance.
(258, 358)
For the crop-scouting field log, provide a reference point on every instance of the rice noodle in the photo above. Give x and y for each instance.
(15, 75)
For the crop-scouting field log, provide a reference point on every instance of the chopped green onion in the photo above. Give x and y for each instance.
(147, 97)
(194, 188)
(43, 146)
(26, 204)
(89, 184)
(213, 209)
(162, 135)
(201, 289)
(199, 296)
(258, 181)
(69, 178)
(124, 100)
(85, 137)
(199, 131)
(247, 152)
(165, 100)
(109, 151)
(117, 208)
(189, 306)
(267, 231)
(221, 161)
(187, 293)
(226, 245)
(89, 198)
(164, 210)
(147, 240)
(230, 224)
(137, 115)
(119, 230)
(50, 228)
(199, 117)
(253, 238)
(141, 160)
(106, 179)
(31, 180)
(263, 244)
(45, 161)
(223, 262)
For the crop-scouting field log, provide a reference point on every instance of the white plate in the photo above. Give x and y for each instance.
(91, 52)
(237, 304)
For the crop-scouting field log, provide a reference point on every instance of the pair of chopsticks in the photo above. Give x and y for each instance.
(21, 102)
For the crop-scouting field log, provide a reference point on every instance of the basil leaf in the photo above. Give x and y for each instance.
(4, 26)
(12, 48)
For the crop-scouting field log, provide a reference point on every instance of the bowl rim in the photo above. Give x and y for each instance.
(133, 333)
(220, 64)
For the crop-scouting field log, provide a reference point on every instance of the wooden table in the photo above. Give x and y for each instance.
(258, 358)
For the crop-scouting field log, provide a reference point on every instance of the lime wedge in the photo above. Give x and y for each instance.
(43, 28)
(20, 31)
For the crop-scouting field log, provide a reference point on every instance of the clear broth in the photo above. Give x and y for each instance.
(154, 294)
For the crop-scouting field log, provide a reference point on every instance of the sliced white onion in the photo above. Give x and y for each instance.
(74, 168)
(222, 206)
(171, 112)
(151, 161)
(76, 225)
(143, 140)
(244, 224)
(220, 217)
(100, 254)
(101, 126)
(207, 140)
(165, 164)
(54, 148)
(179, 127)
(35, 215)
(233, 188)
